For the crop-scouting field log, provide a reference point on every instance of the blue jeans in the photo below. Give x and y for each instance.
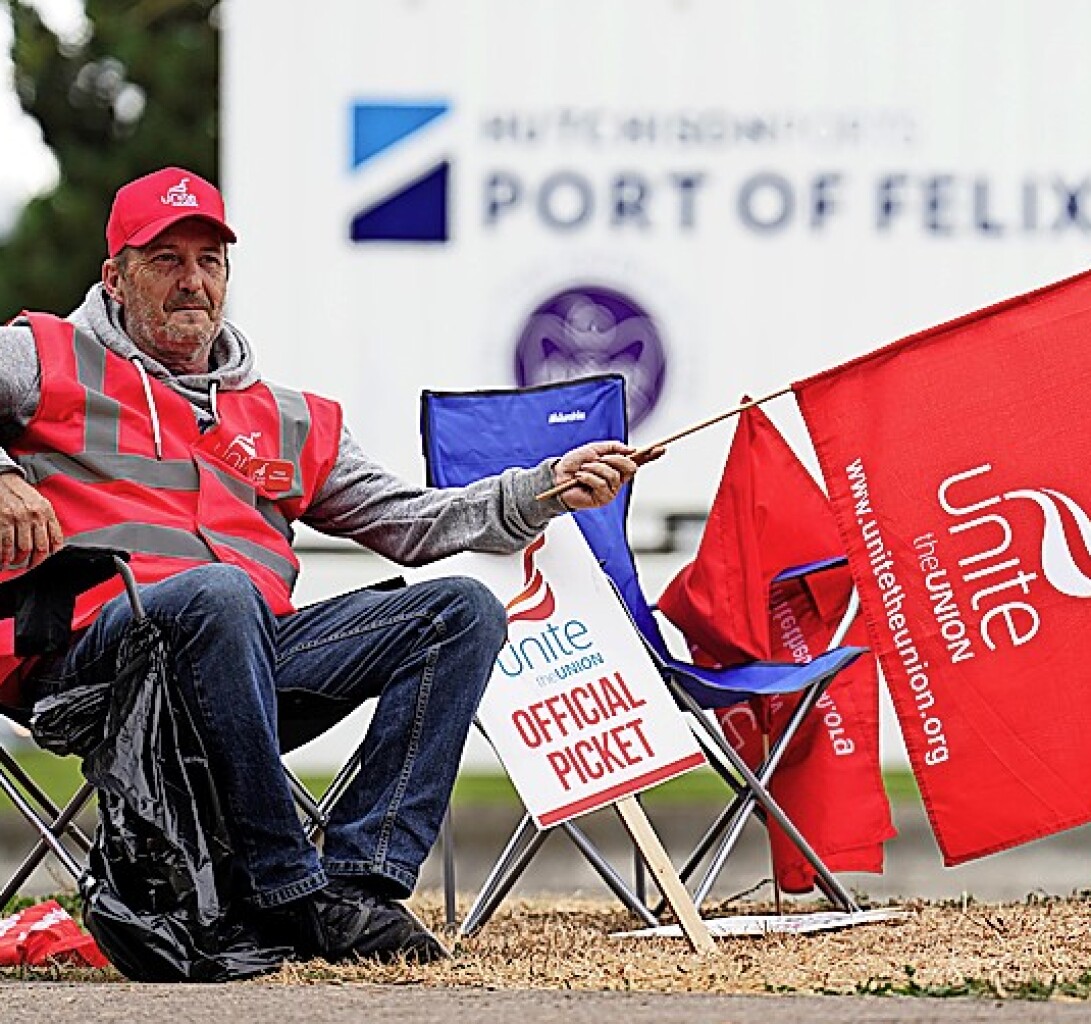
(258, 684)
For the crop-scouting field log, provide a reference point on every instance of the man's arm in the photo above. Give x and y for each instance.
(20, 384)
(413, 525)
(29, 528)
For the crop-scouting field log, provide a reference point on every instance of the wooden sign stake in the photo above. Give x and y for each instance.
(636, 821)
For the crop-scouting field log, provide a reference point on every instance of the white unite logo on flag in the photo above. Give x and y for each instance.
(1058, 563)
(988, 596)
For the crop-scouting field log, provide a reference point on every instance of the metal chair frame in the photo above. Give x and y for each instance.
(725, 832)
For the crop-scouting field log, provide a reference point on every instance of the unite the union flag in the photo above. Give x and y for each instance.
(957, 461)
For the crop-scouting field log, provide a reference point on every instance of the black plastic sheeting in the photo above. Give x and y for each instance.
(158, 890)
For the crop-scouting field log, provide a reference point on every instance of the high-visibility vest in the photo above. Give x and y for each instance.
(229, 494)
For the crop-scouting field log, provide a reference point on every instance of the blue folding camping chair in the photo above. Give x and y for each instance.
(469, 435)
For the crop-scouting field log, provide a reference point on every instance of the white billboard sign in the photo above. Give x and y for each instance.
(709, 196)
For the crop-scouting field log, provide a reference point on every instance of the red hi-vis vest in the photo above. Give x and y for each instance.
(229, 494)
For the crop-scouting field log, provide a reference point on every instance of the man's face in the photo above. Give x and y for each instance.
(172, 293)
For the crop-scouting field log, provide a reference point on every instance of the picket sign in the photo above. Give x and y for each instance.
(576, 709)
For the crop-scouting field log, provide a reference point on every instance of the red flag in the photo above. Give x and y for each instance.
(770, 514)
(956, 462)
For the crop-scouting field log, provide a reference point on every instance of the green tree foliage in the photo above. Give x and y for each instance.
(140, 93)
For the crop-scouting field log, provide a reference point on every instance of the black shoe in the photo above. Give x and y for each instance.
(393, 931)
(323, 924)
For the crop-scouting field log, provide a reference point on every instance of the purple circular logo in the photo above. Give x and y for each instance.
(588, 329)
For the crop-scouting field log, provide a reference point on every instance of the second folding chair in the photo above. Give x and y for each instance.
(468, 435)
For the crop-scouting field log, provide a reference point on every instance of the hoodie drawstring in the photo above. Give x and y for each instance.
(213, 390)
(157, 437)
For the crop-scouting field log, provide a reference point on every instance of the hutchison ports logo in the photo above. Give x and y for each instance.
(535, 601)
(416, 211)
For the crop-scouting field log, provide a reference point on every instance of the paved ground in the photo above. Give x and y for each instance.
(351, 1004)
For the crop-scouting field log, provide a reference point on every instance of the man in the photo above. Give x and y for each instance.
(141, 422)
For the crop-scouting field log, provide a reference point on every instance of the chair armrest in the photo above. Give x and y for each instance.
(42, 599)
(810, 568)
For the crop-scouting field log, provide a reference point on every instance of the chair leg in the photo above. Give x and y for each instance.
(315, 819)
(824, 879)
(723, 851)
(612, 879)
(15, 771)
(515, 859)
(524, 843)
(49, 835)
(747, 803)
(712, 835)
(317, 812)
(701, 850)
(447, 840)
(341, 782)
(758, 791)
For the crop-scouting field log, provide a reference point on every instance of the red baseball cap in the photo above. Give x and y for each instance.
(148, 206)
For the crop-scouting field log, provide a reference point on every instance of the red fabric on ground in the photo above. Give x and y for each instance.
(44, 932)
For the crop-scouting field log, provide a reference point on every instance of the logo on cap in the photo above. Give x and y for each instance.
(179, 195)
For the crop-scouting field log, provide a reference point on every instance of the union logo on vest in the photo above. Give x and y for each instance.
(416, 211)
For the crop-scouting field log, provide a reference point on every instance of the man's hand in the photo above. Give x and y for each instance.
(601, 469)
(28, 525)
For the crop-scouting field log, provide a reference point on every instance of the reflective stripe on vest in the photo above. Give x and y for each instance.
(102, 416)
(94, 467)
(295, 427)
(148, 539)
(168, 542)
(256, 553)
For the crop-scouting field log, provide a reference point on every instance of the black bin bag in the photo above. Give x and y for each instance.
(158, 890)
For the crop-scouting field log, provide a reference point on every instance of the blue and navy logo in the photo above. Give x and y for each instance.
(418, 211)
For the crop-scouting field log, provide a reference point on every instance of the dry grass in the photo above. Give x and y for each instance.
(1038, 949)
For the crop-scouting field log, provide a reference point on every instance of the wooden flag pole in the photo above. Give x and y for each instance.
(642, 455)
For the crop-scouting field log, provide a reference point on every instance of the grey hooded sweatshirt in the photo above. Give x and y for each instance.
(359, 499)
